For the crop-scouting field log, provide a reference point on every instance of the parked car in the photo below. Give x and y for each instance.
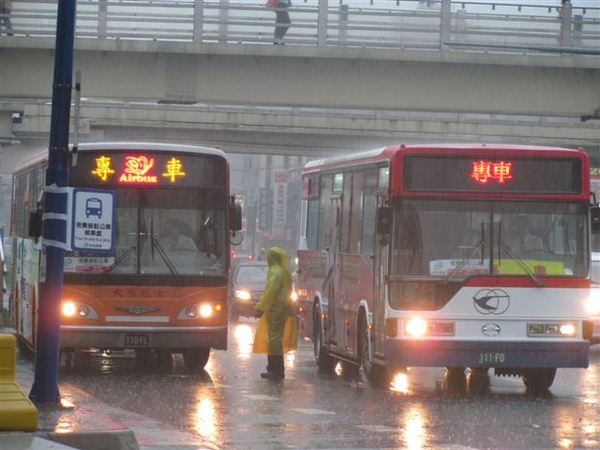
(246, 285)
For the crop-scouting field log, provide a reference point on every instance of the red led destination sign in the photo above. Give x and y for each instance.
(467, 174)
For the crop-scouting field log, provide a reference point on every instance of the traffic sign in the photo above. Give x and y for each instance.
(92, 220)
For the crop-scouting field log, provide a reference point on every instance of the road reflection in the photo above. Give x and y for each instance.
(412, 422)
(205, 418)
(230, 406)
(244, 337)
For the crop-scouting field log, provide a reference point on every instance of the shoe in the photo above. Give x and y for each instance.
(272, 376)
(275, 368)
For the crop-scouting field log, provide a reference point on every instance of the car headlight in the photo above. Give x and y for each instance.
(243, 295)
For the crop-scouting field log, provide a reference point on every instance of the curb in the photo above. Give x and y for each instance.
(94, 440)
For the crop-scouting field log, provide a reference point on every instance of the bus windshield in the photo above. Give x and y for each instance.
(453, 240)
(177, 232)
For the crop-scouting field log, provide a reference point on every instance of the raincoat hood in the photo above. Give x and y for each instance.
(276, 256)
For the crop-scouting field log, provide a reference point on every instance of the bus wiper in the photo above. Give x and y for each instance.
(164, 256)
(118, 261)
(477, 247)
(521, 263)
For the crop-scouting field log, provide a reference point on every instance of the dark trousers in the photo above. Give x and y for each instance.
(6, 20)
(282, 23)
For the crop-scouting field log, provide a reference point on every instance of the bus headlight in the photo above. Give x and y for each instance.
(549, 329)
(592, 304)
(205, 310)
(418, 327)
(76, 310)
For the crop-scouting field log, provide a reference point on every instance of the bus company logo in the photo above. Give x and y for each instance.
(136, 170)
(491, 329)
(138, 310)
(491, 302)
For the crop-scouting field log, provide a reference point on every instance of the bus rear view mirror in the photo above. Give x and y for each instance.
(235, 213)
(595, 219)
(35, 224)
(384, 220)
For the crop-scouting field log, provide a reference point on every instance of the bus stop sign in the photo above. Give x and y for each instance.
(92, 220)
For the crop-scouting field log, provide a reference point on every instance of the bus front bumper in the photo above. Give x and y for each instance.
(175, 338)
(438, 353)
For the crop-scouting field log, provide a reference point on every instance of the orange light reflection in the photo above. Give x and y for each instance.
(205, 423)
(244, 335)
(413, 424)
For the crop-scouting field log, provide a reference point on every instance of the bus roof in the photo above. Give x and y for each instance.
(383, 153)
(125, 146)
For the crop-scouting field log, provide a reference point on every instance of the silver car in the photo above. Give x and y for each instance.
(246, 285)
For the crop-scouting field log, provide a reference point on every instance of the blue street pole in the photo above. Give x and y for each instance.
(45, 385)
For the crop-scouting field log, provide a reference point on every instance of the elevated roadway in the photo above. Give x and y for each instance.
(356, 75)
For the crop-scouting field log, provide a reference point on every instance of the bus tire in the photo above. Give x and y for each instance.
(538, 380)
(164, 359)
(379, 376)
(322, 357)
(195, 359)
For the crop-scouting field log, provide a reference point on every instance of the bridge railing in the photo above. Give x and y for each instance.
(438, 25)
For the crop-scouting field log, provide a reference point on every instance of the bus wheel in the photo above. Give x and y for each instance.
(379, 376)
(165, 360)
(538, 380)
(143, 359)
(455, 380)
(322, 356)
(196, 358)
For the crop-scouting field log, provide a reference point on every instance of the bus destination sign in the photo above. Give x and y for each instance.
(145, 169)
(434, 173)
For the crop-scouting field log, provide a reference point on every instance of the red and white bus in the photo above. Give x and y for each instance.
(152, 292)
(455, 256)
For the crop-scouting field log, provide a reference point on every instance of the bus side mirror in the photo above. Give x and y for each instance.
(595, 219)
(235, 214)
(35, 224)
(384, 220)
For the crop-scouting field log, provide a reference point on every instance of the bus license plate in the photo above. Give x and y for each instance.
(492, 358)
(137, 340)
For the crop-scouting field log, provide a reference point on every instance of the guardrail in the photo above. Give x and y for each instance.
(438, 25)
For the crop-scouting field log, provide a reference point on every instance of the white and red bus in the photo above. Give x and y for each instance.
(455, 256)
(151, 292)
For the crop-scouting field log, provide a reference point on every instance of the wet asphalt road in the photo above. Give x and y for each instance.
(231, 406)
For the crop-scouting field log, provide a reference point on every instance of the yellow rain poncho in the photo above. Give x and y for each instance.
(276, 331)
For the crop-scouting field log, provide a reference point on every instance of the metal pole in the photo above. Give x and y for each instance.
(45, 385)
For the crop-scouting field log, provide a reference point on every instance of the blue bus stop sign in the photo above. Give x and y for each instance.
(92, 220)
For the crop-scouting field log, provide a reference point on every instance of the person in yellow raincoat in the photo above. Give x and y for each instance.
(277, 315)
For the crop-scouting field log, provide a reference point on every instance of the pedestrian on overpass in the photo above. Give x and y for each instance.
(5, 10)
(282, 19)
(276, 331)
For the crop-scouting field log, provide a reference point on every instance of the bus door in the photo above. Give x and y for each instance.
(332, 278)
(380, 288)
